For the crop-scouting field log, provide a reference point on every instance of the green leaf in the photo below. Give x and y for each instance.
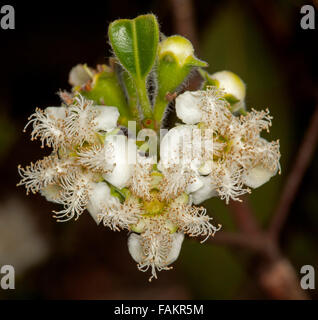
(131, 93)
(135, 43)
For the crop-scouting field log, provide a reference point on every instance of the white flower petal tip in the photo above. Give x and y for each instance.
(188, 107)
(177, 241)
(195, 185)
(51, 192)
(135, 248)
(231, 83)
(175, 145)
(106, 118)
(206, 168)
(79, 75)
(123, 159)
(100, 198)
(206, 192)
(257, 176)
(57, 113)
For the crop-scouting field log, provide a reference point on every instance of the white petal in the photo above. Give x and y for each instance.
(56, 112)
(100, 199)
(51, 192)
(188, 107)
(195, 185)
(134, 247)
(206, 168)
(106, 119)
(79, 75)
(207, 191)
(230, 83)
(176, 247)
(178, 138)
(136, 251)
(257, 176)
(124, 158)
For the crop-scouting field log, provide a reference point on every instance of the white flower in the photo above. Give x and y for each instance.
(164, 208)
(44, 172)
(229, 150)
(84, 120)
(157, 251)
(103, 206)
(48, 126)
(85, 150)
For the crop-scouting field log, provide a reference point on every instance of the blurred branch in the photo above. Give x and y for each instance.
(183, 18)
(268, 13)
(244, 216)
(258, 243)
(293, 182)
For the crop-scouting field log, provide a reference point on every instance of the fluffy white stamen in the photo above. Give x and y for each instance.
(193, 220)
(74, 195)
(38, 175)
(97, 158)
(48, 126)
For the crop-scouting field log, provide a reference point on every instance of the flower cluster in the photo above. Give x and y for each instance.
(227, 154)
(84, 153)
(97, 164)
(90, 168)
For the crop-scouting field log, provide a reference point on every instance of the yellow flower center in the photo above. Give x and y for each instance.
(154, 206)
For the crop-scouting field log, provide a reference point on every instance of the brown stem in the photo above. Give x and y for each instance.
(183, 18)
(279, 280)
(297, 172)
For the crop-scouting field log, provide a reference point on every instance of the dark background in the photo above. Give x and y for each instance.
(260, 40)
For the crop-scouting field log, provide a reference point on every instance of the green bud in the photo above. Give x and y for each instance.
(233, 86)
(176, 60)
(105, 89)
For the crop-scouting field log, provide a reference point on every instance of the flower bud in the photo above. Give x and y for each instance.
(176, 60)
(233, 86)
(181, 50)
(231, 83)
